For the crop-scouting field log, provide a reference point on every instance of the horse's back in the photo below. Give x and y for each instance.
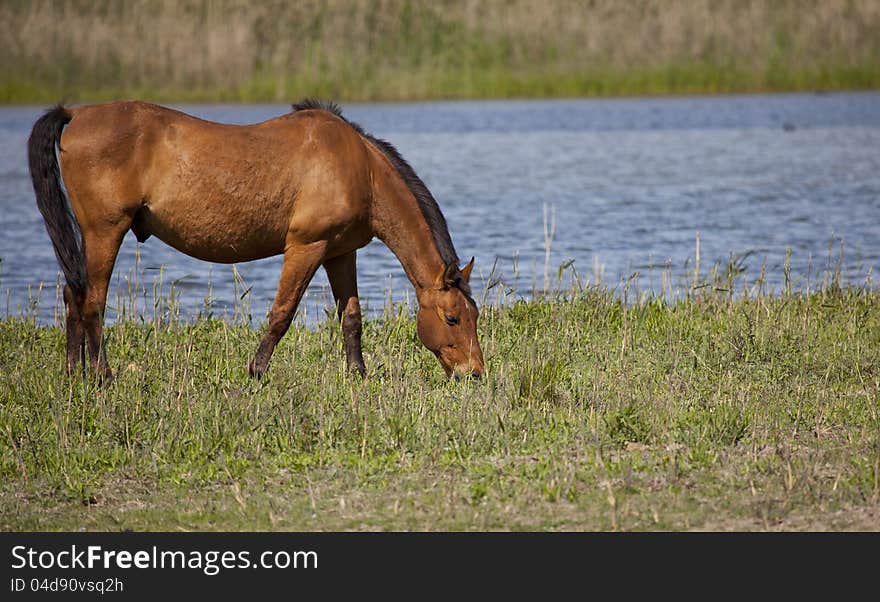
(216, 191)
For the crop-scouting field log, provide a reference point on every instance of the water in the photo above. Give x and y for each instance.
(631, 183)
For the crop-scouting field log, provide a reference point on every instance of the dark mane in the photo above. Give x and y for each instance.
(427, 204)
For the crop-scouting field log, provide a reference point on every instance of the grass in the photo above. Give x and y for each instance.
(236, 50)
(711, 411)
(674, 79)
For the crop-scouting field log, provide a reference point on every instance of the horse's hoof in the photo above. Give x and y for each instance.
(358, 370)
(105, 376)
(255, 372)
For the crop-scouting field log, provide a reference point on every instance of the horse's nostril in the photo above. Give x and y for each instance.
(464, 374)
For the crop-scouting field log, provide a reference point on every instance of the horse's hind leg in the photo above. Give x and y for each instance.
(76, 349)
(101, 247)
(300, 263)
(342, 273)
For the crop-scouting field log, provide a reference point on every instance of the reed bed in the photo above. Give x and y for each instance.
(394, 49)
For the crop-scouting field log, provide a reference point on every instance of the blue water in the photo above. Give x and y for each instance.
(629, 183)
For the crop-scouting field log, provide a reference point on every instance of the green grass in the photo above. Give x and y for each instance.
(706, 413)
(457, 83)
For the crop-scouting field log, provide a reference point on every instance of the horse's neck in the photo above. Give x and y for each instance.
(400, 224)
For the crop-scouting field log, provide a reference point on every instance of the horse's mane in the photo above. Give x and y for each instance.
(427, 204)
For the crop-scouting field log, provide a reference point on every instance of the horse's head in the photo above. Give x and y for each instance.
(447, 322)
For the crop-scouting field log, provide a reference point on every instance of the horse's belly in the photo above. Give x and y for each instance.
(213, 234)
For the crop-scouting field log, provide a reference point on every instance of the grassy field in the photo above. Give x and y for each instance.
(710, 412)
(241, 50)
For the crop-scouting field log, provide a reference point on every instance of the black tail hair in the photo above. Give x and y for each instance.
(60, 222)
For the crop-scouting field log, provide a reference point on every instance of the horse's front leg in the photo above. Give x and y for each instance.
(300, 263)
(342, 273)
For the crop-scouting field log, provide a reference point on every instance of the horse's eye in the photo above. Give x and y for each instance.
(451, 320)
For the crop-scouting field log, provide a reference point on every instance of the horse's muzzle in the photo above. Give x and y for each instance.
(472, 374)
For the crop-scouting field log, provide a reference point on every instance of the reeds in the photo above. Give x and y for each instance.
(394, 49)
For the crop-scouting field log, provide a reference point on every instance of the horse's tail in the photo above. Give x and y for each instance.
(60, 222)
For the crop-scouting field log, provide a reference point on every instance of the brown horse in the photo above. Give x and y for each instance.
(309, 185)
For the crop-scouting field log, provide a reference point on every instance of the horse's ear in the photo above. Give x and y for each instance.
(438, 279)
(451, 275)
(466, 270)
(448, 276)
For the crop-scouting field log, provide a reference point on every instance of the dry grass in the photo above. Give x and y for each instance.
(393, 49)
